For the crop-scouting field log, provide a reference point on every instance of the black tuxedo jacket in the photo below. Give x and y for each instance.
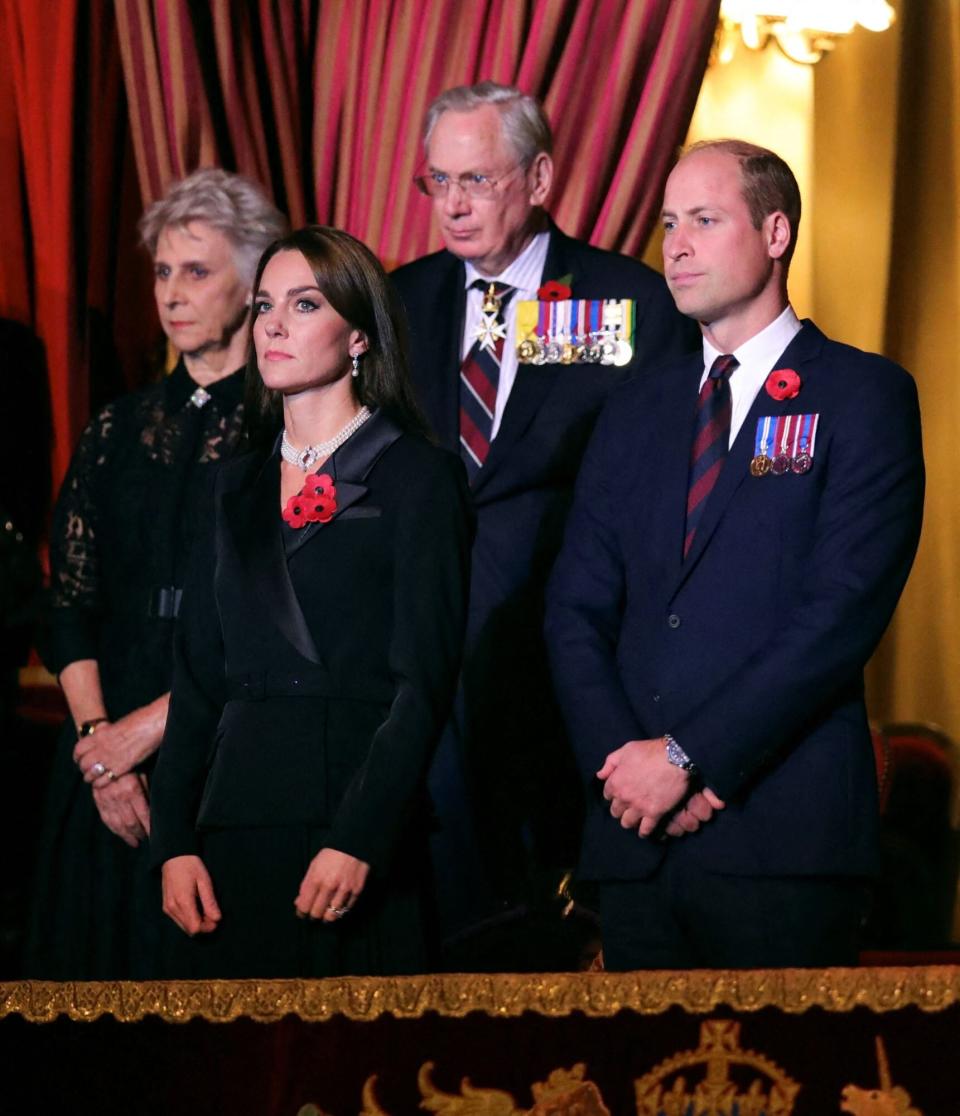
(511, 729)
(751, 650)
(314, 669)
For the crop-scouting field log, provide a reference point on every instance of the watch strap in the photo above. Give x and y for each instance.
(88, 728)
(678, 757)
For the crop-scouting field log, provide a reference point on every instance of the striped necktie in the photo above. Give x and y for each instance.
(711, 438)
(479, 378)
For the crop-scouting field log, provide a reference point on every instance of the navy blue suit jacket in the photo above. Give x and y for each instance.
(510, 726)
(751, 651)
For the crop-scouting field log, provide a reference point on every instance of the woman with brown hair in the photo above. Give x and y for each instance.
(318, 647)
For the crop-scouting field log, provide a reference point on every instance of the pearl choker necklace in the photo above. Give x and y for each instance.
(306, 458)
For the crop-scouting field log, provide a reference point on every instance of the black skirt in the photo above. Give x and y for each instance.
(256, 875)
(96, 912)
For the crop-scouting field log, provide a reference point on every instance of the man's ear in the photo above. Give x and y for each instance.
(540, 178)
(777, 233)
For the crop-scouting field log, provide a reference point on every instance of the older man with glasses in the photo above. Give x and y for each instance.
(518, 335)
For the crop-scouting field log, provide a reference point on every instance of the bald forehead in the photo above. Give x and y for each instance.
(709, 165)
(700, 178)
(481, 127)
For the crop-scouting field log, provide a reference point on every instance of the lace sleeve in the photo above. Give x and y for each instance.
(74, 565)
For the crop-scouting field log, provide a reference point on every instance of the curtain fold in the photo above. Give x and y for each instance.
(320, 100)
(914, 675)
(43, 61)
(63, 125)
(15, 263)
(323, 101)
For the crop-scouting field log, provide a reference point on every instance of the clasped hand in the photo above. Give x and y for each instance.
(644, 788)
(124, 808)
(118, 747)
(330, 887)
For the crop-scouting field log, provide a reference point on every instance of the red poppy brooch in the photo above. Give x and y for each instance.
(783, 383)
(316, 502)
(555, 290)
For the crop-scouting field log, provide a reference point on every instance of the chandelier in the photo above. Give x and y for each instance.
(803, 29)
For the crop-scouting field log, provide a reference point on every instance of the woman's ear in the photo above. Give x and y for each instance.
(358, 342)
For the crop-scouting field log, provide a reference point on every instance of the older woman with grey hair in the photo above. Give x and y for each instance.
(128, 510)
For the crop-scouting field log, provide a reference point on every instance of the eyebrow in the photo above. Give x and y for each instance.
(693, 211)
(293, 291)
(439, 170)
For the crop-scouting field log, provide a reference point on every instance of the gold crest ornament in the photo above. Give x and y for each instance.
(491, 301)
(711, 1090)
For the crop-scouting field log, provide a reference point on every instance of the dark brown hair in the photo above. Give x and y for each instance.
(353, 281)
(769, 185)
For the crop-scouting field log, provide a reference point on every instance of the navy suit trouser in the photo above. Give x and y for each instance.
(684, 917)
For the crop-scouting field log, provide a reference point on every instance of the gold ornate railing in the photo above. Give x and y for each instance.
(929, 988)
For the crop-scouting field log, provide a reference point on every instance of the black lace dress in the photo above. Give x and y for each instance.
(127, 512)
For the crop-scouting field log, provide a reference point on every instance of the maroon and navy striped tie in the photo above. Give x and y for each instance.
(711, 438)
(479, 378)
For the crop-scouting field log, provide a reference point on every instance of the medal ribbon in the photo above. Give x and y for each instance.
(762, 441)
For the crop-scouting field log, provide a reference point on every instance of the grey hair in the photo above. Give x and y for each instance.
(525, 124)
(230, 203)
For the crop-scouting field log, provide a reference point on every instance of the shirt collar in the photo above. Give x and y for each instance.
(226, 393)
(523, 273)
(764, 347)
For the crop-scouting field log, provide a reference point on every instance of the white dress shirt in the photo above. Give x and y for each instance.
(758, 357)
(525, 274)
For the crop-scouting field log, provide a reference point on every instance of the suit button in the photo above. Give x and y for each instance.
(673, 620)
(656, 697)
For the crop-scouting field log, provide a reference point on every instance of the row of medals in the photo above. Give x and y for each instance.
(780, 465)
(603, 347)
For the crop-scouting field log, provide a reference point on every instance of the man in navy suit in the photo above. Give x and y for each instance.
(504, 787)
(744, 523)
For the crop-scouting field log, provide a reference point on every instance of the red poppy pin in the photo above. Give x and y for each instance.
(314, 503)
(783, 383)
(555, 290)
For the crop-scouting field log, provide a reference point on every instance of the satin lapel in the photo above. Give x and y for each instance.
(736, 468)
(530, 387)
(253, 516)
(349, 467)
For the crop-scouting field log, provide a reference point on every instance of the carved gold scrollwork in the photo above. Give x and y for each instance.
(503, 995)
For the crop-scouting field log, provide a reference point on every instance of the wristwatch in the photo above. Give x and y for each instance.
(679, 758)
(88, 728)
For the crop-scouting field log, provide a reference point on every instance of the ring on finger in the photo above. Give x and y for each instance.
(339, 912)
(111, 775)
(97, 769)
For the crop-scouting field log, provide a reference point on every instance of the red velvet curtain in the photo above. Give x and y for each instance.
(62, 129)
(324, 101)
